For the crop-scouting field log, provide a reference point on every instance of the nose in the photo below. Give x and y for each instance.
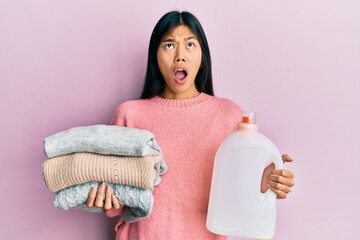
(179, 57)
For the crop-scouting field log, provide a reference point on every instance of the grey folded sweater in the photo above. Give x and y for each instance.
(138, 202)
(102, 139)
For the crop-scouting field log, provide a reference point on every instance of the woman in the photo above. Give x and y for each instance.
(189, 123)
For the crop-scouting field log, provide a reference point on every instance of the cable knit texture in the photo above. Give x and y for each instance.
(138, 201)
(68, 170)
(102, 139)
(189, 132)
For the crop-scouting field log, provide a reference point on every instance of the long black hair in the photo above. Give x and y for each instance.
(154, 81)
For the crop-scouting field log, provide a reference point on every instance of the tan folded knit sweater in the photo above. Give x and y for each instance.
(68, 170)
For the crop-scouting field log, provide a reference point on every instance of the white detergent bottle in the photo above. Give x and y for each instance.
(236, 206)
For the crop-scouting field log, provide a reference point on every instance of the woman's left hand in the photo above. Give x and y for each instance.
(279, 181)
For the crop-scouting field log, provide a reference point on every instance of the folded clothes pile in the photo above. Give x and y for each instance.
(129, 160)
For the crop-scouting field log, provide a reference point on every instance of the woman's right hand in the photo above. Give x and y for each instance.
(96, 198)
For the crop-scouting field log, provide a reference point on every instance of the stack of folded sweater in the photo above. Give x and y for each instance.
(127, 159)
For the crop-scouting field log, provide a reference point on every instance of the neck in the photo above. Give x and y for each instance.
(173, 95)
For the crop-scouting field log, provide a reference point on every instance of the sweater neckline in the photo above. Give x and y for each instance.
(180, 103)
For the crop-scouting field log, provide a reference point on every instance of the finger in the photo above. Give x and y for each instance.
(115, 202)
(280, 187)
(108, 199)
(99, 201)
(282, 173)
(282, 180)
(279, 194)
(286, 158)
(91, 198)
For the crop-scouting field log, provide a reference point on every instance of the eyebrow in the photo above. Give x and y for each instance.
(173, 40)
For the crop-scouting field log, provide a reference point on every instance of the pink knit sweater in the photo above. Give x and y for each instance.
(189, 131)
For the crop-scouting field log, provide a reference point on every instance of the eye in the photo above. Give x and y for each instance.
(190, 45)
(169, 46)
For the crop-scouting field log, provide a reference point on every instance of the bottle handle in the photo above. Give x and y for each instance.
(279, 164)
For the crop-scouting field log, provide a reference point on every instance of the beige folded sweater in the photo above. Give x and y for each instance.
(68, 170)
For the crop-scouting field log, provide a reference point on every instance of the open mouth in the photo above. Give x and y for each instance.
(180, 75)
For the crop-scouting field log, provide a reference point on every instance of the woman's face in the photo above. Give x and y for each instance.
(179, 60)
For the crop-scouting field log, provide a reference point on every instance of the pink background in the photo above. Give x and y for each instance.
(296, 63)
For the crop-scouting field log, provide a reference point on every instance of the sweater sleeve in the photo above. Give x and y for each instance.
(233, 113)
(119, 118)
